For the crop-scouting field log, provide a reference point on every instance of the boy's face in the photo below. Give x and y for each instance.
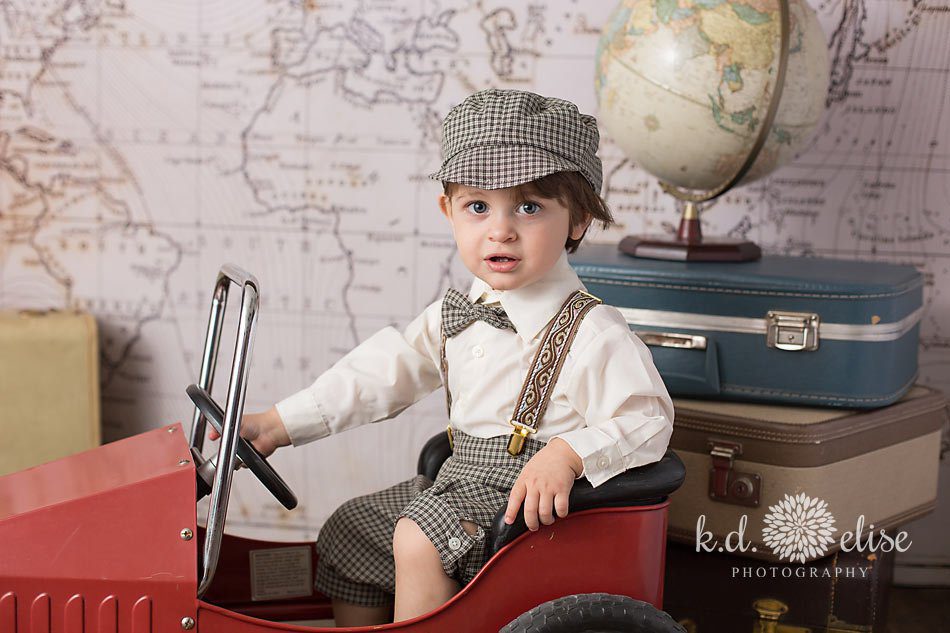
(490, 225)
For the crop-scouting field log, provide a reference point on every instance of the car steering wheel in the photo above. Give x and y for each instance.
(246, 452)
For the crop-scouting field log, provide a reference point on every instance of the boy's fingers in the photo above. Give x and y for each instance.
(514, 502)
(562, 503)
(248, 430)
(546, 509)
(531, 510)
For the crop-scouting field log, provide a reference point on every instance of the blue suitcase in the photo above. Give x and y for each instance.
(810, 331)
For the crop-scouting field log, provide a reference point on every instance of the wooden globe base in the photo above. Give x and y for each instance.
(689, 245)
(710, 250)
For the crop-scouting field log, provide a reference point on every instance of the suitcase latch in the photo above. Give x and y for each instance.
(792, 331)
(728, 485)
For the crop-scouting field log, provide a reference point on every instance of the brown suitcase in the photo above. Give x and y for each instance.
(723, 593)
(49, 387)
(778, 465)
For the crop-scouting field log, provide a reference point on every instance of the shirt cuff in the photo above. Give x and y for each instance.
(603, 456)
(600, 454)
(303, 418)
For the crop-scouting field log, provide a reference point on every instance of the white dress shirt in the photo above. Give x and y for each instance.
(609, 403)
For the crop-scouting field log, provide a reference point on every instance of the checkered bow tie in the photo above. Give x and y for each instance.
(458, 312)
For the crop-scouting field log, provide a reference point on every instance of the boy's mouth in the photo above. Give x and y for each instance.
(502, 263)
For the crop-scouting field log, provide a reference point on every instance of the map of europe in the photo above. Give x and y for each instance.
(144, 144)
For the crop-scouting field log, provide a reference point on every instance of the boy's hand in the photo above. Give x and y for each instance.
(265, 431)
(545, 485)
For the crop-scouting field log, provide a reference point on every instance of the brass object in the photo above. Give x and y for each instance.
(518, 435)
(728, 485)
(448, 432)
(792, 331)
(769, 612)
(689, 625)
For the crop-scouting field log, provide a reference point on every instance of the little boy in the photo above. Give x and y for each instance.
(520, 180)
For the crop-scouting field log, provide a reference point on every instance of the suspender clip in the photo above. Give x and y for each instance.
(518, 435)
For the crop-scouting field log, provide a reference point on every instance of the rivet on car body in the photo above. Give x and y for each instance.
(186, 534)
(187, 623)
(183, 462)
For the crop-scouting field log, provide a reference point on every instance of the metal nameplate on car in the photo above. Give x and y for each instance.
(281, 572)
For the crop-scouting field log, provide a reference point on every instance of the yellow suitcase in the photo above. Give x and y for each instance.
(49, 387)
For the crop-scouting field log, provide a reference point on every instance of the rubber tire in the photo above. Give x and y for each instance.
(594, 613)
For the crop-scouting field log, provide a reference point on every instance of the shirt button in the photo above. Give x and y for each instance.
(477, 351)
(603, 462)
(455, 543)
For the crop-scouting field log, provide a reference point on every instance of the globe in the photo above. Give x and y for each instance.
(684, 86)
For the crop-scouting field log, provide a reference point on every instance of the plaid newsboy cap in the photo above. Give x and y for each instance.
(502, 138)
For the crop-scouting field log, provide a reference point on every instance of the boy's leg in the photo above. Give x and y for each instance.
(355, 567)
(421, 582)
(349, 614)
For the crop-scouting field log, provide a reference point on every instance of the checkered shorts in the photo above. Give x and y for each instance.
(355, 545)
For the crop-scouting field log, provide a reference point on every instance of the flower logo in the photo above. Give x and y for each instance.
(799, 527)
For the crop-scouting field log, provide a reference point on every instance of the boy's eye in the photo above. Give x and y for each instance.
(478, 207)
(529, 208)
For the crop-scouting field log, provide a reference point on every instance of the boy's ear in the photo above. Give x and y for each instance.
(445, 205)
(578, 230)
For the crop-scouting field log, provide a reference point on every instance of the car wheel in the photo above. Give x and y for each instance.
(594, 613)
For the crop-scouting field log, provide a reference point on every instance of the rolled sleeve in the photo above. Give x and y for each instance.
(375, 381)
(616, 388)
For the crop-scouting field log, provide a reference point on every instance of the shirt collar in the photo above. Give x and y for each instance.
(531, 308)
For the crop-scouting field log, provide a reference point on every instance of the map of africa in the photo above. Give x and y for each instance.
(143, 144)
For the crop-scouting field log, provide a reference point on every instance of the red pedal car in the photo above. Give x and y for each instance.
(107, 541)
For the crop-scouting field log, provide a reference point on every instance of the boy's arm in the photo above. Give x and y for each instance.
(616, 388)
(375, 381)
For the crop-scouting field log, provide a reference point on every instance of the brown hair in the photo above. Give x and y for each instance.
(569, 188)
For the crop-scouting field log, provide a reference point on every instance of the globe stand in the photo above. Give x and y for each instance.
(689, 244)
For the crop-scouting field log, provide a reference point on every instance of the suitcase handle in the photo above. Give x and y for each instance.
(688, 363)
(672, 339)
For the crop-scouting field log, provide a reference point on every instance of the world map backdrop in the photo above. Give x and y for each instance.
(144, 144)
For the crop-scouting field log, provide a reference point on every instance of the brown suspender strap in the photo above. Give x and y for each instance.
(546, 367)
(444, 366)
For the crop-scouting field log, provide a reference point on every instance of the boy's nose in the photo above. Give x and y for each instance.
(501, 229)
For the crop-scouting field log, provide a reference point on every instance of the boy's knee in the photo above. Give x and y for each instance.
(410, 544)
